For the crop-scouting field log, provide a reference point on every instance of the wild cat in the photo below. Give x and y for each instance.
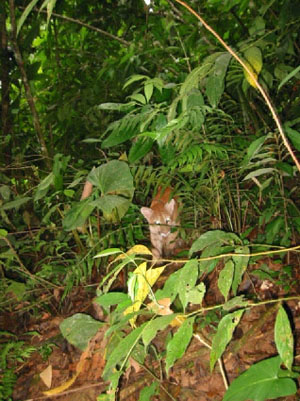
(162, 216)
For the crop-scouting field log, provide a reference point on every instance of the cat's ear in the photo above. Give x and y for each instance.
(147, 213)
(170, 206)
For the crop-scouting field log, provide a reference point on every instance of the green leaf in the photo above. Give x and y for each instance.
(148, 89)
(294, 136)
(122, 107)
(138, 97)
(44, 186)
(113, 178)
(259, 172)
(241, 264)
(3, 233)
(25, 14)
(225, 278)
(178, 344)
(108, 252)
(223, 335)
(213, 238)
(195, 295)
(15, 204)
(122, 351)
(288, 77)
(114, 207)
(79, 329)
(160, 323)
(254, 62)
(134, 78)
(284, 338)
(215, 82)
(261, 382)
(148, 392)
(187, 280)
(112, 298)
(237, 302)
(77, 215)
(139, 149)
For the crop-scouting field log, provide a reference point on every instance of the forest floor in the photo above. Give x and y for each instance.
(189, 379)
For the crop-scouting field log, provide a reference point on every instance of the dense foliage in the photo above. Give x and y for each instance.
(133, 97)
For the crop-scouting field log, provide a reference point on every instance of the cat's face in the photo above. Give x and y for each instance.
(161, 218)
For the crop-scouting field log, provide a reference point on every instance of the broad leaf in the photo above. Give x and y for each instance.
(264, 380)
(79, 329)
(215, 82)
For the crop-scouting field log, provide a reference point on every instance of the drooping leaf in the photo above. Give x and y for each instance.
(43, 186)
(263, 380)
(15, 204)
(215, 82)
(284, 339)
(224, 335)
(187, 280)
(288, 77)
(160, 323)
(139, 149)
(225, 278)
(178, 344)
(77, 215)
(241, 264)
(122, 351)
(294, 136)
(254, 63)
(25, 14)
(79, 329)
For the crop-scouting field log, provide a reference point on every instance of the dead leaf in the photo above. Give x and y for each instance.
(161, 307)
(46, 376)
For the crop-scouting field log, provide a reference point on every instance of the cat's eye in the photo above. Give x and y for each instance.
(168, 220)
(157, 222)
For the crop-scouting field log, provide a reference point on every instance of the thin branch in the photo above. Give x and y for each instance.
(220, 362)
(250, 72)
(91, 27)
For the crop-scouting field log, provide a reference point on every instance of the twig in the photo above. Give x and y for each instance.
(91, 27)
(220, 362)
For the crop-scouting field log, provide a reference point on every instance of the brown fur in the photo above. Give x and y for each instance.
(162, 216)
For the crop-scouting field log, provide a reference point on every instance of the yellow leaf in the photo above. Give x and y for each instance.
(145, 280)
(254, 63)
(136, 249)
